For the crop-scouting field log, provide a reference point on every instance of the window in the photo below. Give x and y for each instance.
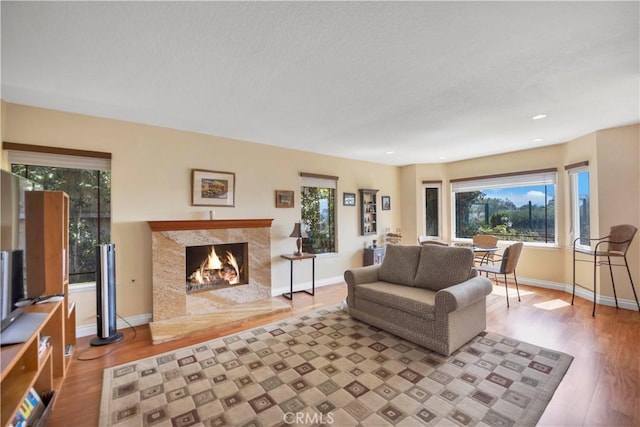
(518, 206)
(318, 213)
(580, 196)
(87, 181)
(431, 191)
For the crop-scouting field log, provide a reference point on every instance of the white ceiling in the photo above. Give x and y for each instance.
(430, 81)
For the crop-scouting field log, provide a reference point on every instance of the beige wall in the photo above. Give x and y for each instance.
(151, 181)
(151, 169)
(618, 202)
(615, 187)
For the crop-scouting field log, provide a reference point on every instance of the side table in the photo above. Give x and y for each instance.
(373, 256)
(291, 258)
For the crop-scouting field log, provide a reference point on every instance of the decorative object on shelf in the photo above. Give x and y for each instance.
(386, 203)
(349, 199)
(212, 188)
(299, 233)
(394, 238)
(284, 198)
(368, 212)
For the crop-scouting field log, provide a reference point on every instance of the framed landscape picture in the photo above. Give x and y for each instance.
(212, 188)
(349, 199)
(284, 198)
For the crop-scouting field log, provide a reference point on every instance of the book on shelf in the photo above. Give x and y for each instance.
(30, 410)
(44, 343)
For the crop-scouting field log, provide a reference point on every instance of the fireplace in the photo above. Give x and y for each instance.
(178, 312)
(219, 266)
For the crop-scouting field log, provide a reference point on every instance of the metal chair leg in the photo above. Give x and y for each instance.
(573, 294)
(595, 265)
(516, 280)
(506, 289)
(613, 283)
(633, 288)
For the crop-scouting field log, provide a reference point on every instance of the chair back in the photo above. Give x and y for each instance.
(620, 238)
(510, 258)
(485, 240)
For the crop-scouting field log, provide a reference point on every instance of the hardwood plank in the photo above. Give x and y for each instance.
(602, 386)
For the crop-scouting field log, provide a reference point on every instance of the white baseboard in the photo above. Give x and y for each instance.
(627, 304)
(281, 289)
(88, 330)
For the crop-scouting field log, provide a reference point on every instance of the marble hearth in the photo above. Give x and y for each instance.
(177, 314)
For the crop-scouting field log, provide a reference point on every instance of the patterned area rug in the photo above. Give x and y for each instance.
(326, 368)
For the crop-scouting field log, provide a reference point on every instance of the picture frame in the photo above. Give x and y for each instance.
(212, 188)
(386, 203)
(349, 199)
(285, 198)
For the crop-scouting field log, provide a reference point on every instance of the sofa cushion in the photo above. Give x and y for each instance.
(441, 267)
(399, 264)
(416, 301)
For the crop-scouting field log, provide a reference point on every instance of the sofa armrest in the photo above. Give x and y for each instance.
(463, 294)
(357, 276)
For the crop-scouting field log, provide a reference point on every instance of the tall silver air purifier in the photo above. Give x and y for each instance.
(106, 296)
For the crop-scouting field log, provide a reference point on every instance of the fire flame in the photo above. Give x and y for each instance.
(213, 263)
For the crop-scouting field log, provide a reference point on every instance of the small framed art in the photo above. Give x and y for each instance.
(349, 199)
(386, 203)
(284, 198)
(212, 188)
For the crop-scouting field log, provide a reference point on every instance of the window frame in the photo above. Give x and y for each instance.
(437, 185)
(574, 171)
(43, 156)
(547, 176)
(321, 181)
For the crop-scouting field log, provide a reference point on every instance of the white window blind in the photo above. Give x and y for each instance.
(547, 177)
(315, 181)
(58, 160)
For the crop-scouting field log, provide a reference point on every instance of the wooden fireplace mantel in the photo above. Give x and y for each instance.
(212, 224)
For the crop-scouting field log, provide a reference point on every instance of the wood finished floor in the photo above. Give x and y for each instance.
(601, 388)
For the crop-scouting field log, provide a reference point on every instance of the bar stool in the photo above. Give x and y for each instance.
(618, 242)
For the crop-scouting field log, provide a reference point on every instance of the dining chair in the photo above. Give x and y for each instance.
(508, 262)
(483, 241)
(617, 244)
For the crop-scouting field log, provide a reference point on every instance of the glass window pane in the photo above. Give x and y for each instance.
(582, 205)
(318, 213)
(510, 213)
(431, 209)
(89, 211)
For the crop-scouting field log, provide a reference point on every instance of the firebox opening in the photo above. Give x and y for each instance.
(211, 267)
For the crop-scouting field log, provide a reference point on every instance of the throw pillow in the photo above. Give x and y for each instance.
(399, 264)
(443, 266)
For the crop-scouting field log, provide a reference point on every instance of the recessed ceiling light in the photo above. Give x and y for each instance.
(442, 157)
(538, 140)
(390, 152)
(538, 116)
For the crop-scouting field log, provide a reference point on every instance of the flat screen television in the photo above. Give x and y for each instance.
(13, 280)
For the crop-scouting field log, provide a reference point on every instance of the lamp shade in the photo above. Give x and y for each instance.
(298, 231)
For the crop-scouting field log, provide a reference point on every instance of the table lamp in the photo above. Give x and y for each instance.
(298, 232)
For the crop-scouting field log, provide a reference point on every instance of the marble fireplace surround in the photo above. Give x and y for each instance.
(177, 314)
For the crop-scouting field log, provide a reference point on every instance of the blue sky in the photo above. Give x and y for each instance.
(522, 195)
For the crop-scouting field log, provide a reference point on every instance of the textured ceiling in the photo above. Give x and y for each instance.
(429, 81)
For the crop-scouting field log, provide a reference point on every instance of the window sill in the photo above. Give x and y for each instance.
(76, 288)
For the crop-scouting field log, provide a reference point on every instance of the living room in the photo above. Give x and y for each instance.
(151, 168)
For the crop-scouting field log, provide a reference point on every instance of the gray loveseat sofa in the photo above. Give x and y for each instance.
(430, 295)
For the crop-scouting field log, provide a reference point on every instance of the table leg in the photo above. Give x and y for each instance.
(290, 296)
